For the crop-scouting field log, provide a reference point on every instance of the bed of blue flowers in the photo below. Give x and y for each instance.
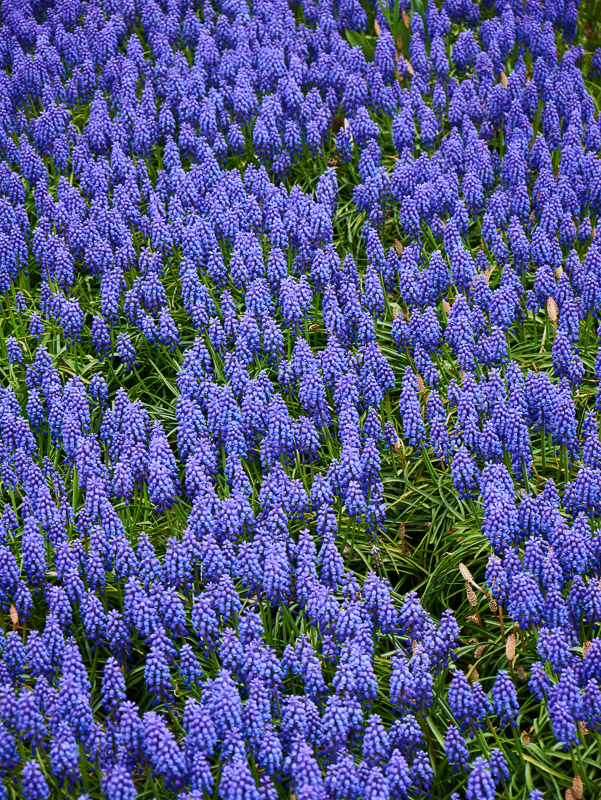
(299, 450)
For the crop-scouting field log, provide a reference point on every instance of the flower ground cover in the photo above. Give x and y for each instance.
(299, 447)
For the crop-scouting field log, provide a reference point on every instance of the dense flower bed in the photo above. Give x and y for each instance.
(299, 450)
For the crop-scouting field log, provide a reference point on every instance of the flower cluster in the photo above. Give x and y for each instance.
(268, 270)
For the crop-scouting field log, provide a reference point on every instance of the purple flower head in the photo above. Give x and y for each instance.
(13, 351)
(64, 755)
(481, 784)
(163, 482)
(125, 350)
(34, 785)
(525, 601)
(504, 697)
(118, 784)
(455, 748)
(464, 473)
(113, 686)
